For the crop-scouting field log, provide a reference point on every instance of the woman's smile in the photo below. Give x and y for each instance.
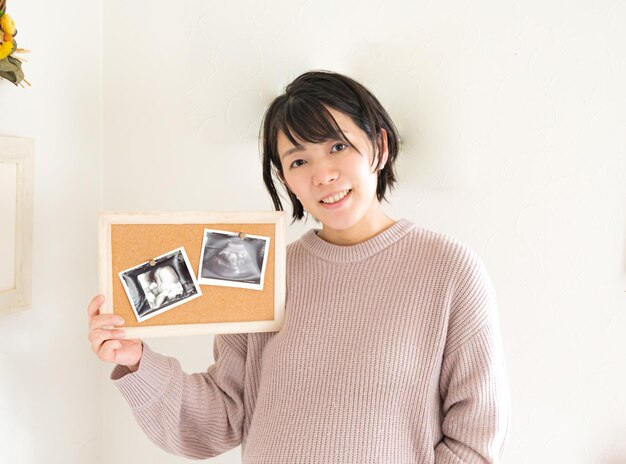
(337, 200)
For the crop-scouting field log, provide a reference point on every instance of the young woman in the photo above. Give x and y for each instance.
(390, 350)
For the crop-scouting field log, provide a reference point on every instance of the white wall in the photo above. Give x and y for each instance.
(50, 386)
(513, 118)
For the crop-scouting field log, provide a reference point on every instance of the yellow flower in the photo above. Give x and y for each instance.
(7, 24)
(5, 49)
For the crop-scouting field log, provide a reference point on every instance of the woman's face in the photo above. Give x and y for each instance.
(325, 171)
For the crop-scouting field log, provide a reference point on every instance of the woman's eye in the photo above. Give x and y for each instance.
(292, 164)
(341, 145)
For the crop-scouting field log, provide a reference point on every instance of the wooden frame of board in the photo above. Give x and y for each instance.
(19, 151)
(129, 240)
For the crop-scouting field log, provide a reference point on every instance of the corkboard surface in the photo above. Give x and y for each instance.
(133, 244)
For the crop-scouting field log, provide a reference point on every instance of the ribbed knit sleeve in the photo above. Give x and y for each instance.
(194, 415)
(473, 383)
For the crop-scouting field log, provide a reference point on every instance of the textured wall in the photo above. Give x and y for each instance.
(512, 116)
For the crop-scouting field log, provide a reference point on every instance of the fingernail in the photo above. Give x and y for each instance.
(119, 321)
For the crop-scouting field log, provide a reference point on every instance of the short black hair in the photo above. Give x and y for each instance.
(302, 110)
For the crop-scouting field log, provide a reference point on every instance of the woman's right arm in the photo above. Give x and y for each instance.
(194, 415)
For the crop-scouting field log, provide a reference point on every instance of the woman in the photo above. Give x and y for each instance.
(390, 350)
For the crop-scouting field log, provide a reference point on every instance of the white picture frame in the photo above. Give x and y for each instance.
(18, 154)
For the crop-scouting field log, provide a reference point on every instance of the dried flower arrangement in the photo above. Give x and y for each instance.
(10, 64)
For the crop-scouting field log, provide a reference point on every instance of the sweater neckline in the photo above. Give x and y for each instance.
(357, 252)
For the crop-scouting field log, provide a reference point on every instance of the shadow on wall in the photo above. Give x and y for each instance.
(424, 106)
(624, 265)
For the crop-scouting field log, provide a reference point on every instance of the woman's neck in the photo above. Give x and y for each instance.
(365, 229)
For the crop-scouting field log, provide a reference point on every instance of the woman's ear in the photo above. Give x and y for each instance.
(382, 148)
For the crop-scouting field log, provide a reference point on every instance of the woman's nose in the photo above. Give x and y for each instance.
(324, 172)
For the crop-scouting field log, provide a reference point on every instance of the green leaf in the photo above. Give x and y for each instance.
(11, 70)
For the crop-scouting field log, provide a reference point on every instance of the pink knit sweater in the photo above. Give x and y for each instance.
(390, 353)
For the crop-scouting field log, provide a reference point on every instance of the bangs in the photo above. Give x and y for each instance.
(309, 121)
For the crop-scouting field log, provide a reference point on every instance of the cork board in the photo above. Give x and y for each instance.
(131, 240)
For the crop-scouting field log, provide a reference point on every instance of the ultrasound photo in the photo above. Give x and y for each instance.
(160, 284)
(228, 260)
